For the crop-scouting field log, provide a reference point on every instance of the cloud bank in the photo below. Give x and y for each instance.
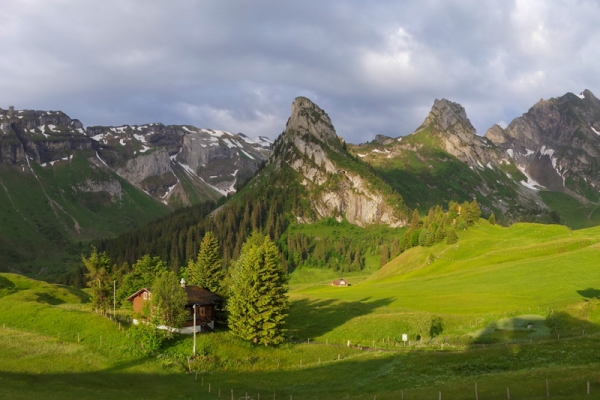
(238, 65)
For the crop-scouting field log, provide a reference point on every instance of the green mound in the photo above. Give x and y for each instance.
(15, 287)
(521, 327)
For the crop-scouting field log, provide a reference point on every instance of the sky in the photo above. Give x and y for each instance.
(237, 65)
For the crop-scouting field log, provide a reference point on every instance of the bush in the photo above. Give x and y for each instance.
(146, 339)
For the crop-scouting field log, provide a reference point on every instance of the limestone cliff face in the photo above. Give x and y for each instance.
(219, 158)
(557, 143)
(311, 147)
(137, 169)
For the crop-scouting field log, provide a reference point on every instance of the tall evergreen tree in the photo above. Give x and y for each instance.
(475, 211)
(451, 237)
(98, 278)
(415, 221)
(384, 257)
(257, 297)
(492, 219)
(207, 270)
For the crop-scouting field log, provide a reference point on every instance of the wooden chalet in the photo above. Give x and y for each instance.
(340, 282)
(203, 299)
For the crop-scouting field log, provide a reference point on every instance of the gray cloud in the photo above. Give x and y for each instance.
(238, 65)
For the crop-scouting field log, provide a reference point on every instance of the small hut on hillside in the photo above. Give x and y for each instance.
(340, 283)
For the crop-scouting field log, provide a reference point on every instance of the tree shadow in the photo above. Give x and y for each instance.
(314, 318)
(531, 328)
(81, 295)
(589, 293)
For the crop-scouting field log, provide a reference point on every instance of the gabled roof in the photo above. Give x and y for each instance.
(200, 296)
(195, 294)
(130, 298)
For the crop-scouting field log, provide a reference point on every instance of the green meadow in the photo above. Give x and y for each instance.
(502, 308)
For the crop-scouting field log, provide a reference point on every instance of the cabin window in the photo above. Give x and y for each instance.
(202, 311)
(145, 296)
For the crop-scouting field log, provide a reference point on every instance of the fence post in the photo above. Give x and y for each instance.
(547, 389)
(507, 394)
(588, 387)
(476, 394)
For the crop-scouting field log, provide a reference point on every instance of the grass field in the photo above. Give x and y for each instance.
(502, 308)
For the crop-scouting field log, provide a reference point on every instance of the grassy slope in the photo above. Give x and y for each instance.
(38, 234)
(572, 213)
(15, 287)
(491, 276)
(491, 273)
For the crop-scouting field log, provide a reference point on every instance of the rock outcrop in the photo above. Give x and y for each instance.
(456, 135)
(311, 147)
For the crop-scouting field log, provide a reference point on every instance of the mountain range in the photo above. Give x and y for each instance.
(62, 184)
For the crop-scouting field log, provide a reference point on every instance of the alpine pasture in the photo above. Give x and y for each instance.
(504, 308)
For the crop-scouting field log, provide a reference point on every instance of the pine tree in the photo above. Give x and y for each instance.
(415, 221)
(99, 278)
(423, 236)
(474, 211)
(257, 297)
(207, 270)
(451, 237)
(385, 255)
(492, 219)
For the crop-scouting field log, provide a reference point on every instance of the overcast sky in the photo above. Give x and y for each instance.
(237, 65)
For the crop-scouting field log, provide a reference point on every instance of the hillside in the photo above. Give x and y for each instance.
(15, 287)
(503, 307)
(48, 213)
(63, 185)
(491, 273)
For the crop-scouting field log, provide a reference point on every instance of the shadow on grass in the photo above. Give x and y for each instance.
(589, 293)
(528, 328)
(80, 294)
(313, 318)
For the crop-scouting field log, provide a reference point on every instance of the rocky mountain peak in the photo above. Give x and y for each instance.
(496, 134)
(446, 115)
(382, 139)
(307, 117)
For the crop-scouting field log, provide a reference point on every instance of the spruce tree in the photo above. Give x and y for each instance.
(475, 211)
(257, 297)
(492, 219)
(207, 271)
(451, 236)
(384, 256)
(99, 278)
(415, 221)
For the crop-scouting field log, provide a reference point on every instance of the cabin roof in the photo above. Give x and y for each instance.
(130, 298)
(200, 296)
(195, 294)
